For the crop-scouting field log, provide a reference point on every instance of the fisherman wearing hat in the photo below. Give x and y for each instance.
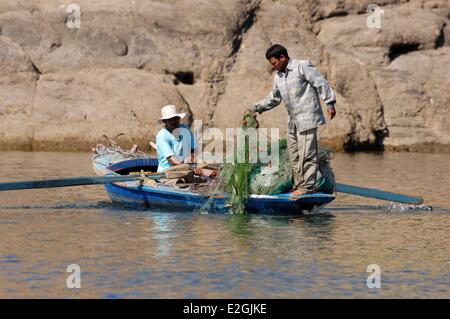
(175, 142)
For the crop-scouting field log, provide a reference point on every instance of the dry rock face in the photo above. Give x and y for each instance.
(93, 105)
(415, 92)
(62, 87)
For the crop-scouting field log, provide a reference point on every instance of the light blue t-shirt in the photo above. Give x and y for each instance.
(179, 143)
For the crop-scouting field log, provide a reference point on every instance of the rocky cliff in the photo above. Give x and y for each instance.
(63, 87)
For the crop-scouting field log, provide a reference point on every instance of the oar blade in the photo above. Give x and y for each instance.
(378, 194)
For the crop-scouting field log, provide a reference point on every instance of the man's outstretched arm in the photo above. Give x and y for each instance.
(272, 100)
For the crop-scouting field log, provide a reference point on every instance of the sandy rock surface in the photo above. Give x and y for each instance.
(63, 87)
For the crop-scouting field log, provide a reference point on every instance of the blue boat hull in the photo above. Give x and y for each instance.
(171, 198)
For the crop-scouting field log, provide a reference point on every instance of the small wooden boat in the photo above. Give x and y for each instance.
(163, 196)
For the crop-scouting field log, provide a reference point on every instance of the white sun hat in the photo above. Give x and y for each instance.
(170, 111)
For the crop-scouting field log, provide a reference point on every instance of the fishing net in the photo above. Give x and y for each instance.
(113, 149)
(273, 179)
(240, 179)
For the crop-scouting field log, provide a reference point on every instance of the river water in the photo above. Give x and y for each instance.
(153, 254)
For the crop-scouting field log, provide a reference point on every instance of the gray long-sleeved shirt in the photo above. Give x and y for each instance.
(299, 88)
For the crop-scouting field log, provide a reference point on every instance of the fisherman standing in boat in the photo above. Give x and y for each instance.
(298, 83)
(175, 142)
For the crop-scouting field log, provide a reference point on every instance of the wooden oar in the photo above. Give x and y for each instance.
(172, 173)
(378, 194)
(75, 181)
(92, 180)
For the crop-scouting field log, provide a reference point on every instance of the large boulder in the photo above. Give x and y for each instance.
(359, 107)
(318, 10)
(152, 35)
(404, 28)
(73, 110)
(62, 88)
(12, 58)
(185, 42)
(415, 93)
(17, 90)
(16, 109)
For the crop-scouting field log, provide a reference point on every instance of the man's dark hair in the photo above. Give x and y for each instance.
(276, 51)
